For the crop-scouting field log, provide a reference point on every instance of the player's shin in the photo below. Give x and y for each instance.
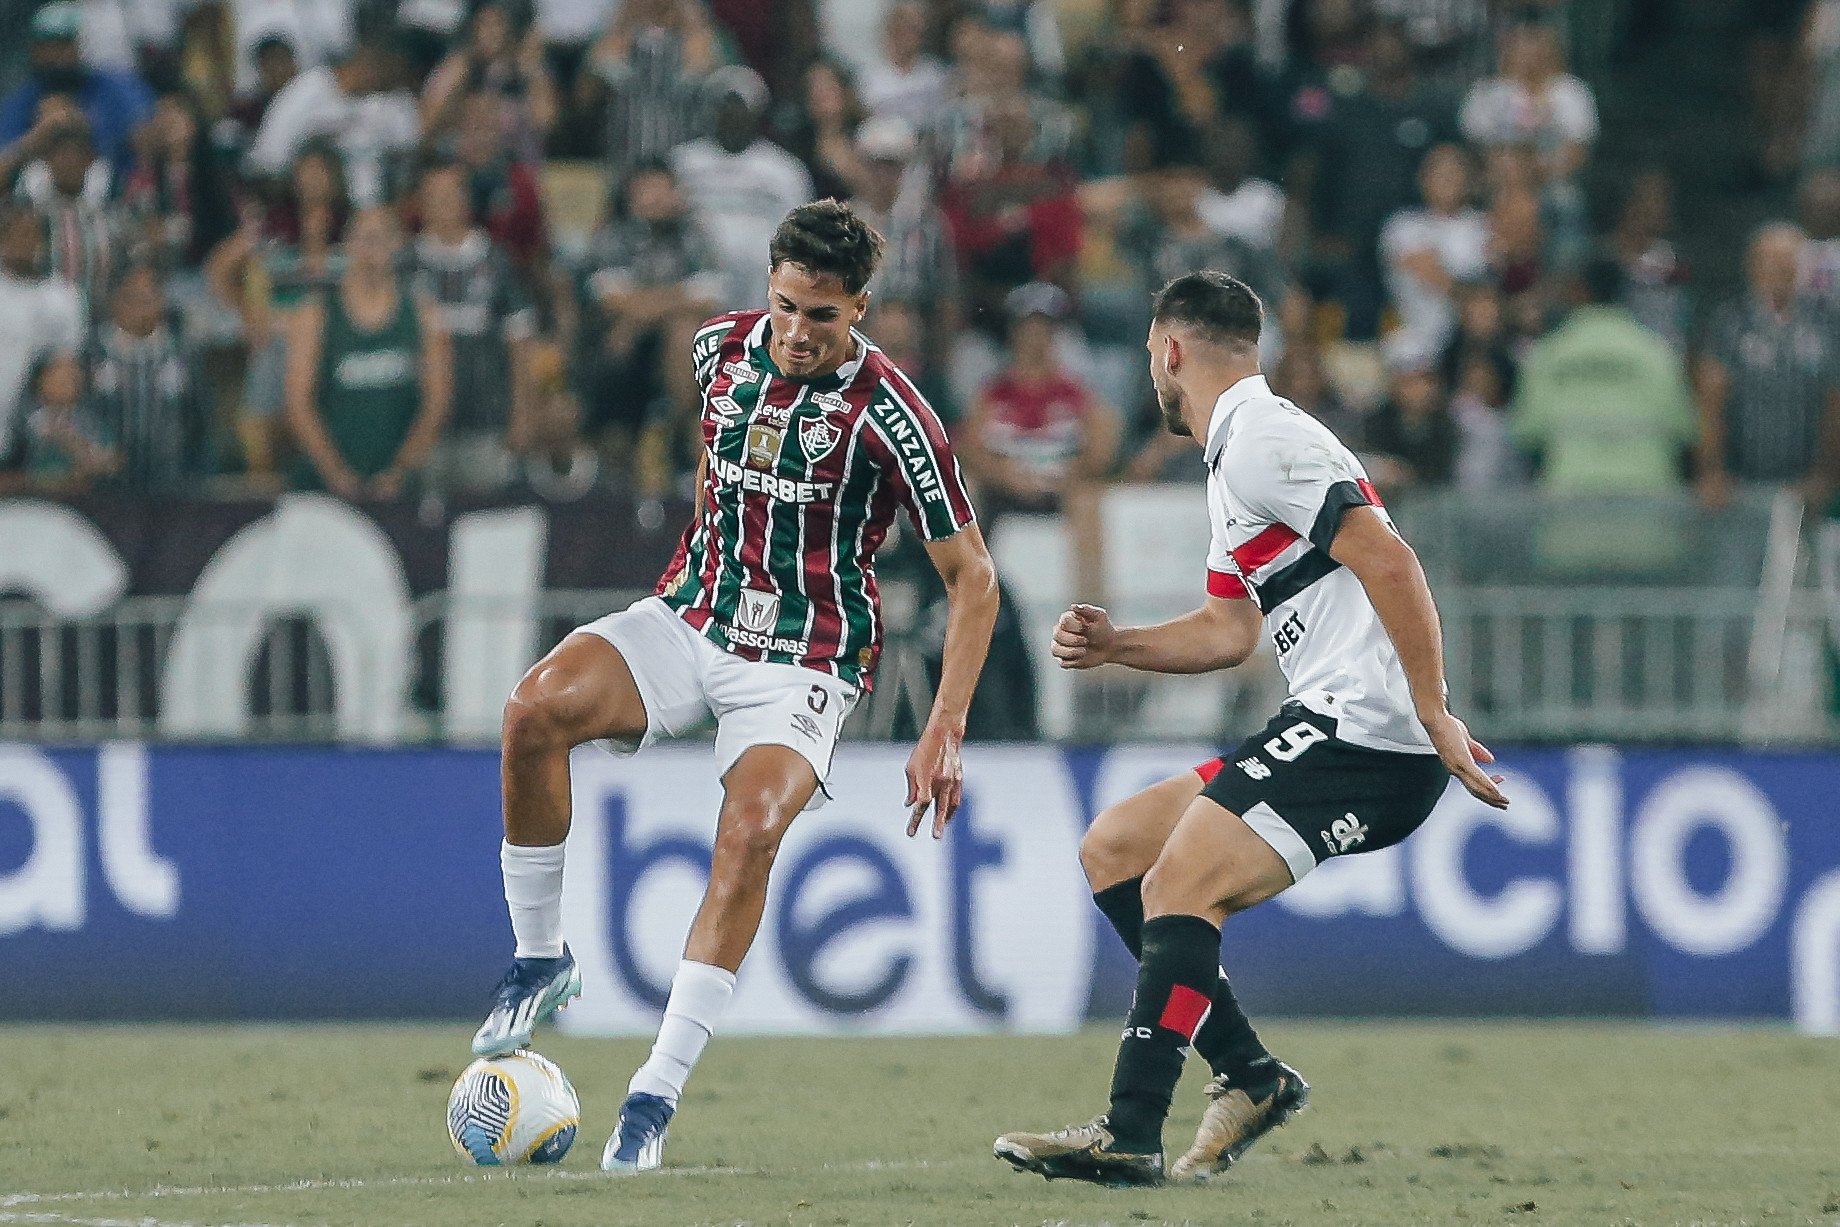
(533, 895)
(1226, 1041)
(1122, 903)
(1175, 987)
(699, 994)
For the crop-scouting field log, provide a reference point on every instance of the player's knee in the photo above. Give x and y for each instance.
(533, 724)
(1170, 887)
(747, 843)
(1108, 853)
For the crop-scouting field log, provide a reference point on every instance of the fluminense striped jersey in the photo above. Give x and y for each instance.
(804, 479)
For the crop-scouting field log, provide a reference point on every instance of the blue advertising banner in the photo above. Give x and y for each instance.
(292, 882)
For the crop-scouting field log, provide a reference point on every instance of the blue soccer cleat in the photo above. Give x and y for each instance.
(637, 1144)
(531, 991)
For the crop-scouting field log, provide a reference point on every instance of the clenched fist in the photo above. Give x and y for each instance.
(1083, 637)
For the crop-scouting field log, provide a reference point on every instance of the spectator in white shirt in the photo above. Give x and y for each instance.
(1238, 202)
(40, 318)
(1534, 102)
(740, 185)
(348, 103)
(1427, 251)
(319, 31)
(904, 82)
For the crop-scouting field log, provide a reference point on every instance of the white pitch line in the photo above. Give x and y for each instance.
(10, 1200)
(67, 1221)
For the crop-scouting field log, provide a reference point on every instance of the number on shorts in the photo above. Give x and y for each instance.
(818, 699)
(1294, 741)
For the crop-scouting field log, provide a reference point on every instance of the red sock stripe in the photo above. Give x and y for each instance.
(1185, 1011)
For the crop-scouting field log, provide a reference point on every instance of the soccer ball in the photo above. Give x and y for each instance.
(512, 1109)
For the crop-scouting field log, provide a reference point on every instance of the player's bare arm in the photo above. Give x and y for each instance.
(1395, 582)
(935, 776)
(1219, 635)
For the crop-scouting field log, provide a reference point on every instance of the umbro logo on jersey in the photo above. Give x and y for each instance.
(740, 372)
(724, 410)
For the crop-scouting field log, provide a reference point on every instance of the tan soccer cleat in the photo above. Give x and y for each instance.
(1234, 1120)
(1080, 1152)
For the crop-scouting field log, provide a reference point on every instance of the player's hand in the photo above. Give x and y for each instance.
(1083, 637)
(935, 777)
(1463, 754)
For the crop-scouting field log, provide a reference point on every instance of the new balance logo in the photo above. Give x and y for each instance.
(1254, 768)
(1345, 832)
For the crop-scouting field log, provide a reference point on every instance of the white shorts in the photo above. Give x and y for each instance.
(684, 678)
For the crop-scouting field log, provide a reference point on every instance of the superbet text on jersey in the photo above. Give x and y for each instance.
(804, 479)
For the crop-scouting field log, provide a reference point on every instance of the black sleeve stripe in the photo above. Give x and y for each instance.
(1342, 495)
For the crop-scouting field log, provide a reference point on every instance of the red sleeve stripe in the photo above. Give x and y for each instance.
(1265, 547)
(1208, 770)
(1227, 585)
(1367, 488)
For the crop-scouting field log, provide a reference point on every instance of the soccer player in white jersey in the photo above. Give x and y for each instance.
(1353, 762)
(767, 619)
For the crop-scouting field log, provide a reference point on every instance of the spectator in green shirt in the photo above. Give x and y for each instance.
(1603, 401)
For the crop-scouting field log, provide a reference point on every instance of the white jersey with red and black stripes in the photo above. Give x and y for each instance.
(1279, 483)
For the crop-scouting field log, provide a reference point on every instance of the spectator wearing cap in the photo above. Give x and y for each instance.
(1769, 380)
(904, 82)
(1412, 440)
(112, 101)
(740, 185)
(1036, 431)
(1360, 166)
(647, 75)
(350, 102)
(476, 293)
(1602, 400)
(650, 277)
(40, 320)
(1429, 250)
(919, 267)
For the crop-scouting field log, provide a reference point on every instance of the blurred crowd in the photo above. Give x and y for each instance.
(403, 248)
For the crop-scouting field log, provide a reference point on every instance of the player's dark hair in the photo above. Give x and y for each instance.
(825, 236)
(1222, 309)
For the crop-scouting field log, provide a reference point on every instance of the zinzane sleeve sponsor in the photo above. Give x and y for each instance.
(919, 460)
(706, 349)
(1300, 482)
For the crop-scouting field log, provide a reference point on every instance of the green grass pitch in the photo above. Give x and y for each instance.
(1410, 1123)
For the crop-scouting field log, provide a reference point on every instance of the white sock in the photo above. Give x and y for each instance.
(533, 893)
(699, 994)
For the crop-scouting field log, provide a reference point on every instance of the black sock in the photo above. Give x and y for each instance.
(1226, 1040)
(1175, 986)
(1123, 905)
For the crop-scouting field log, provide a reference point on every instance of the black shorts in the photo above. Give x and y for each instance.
(1312, 797)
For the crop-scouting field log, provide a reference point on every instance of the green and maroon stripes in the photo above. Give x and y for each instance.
(801, 527)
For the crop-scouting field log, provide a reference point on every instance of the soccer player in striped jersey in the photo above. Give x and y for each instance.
(767, 619)
(1354, 762)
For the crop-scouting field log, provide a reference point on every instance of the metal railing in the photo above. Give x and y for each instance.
(1742, 661)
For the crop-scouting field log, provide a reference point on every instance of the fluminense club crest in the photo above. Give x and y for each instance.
(818, 437)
